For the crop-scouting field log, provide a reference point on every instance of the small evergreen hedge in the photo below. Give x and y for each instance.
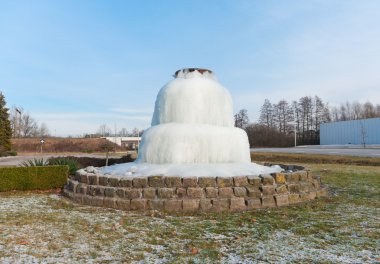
(33, 178)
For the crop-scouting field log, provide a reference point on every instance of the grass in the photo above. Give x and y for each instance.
(343, 228)
(313, 158)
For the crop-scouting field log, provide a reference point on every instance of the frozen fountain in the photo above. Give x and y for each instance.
(192, 158)
(192, 133)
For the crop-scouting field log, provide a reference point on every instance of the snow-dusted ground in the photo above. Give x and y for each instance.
(46, 228)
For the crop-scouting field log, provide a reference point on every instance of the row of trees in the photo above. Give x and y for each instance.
(24, 125)
(106, 131)
(278, 121)
(354, 111)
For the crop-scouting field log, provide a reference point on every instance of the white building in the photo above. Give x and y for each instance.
(130, 143)
(356, 132)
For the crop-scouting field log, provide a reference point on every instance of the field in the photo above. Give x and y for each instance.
(343, 228)
(54, 145)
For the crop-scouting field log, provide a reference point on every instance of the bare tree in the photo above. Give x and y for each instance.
(267, 114)
(241, 119)
(104, 131)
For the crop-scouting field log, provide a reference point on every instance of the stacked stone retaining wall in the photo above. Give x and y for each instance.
(172, 193)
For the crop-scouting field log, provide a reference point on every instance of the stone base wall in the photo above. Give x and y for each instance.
(192, 194)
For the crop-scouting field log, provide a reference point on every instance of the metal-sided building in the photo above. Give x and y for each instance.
(357, 132)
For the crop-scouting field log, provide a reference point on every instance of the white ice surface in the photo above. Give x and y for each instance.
(194, 100)
(190, 143)
(135, 169)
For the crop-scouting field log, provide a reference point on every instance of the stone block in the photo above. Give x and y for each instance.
(173, 181)
(109, 202)
(93, 180)
(281, 200)
(293, 198)
(149, 193)
(78, 175)
(78, 198)
(304, 197)
(132, 193)
(87, 200)
(165, 193)
(254, 180)
(211, 192)
(253, 192)
(322, 192)
(240, 191)
(268, 202)
(120, 192)
(304, 187)
(91, 190)
(309, 174)
(190, 205)
(222, 182)
(140, 182)
(173, 205)
(238, 204)
(83, 178)
(114, 181)
(279, 178)
(267, 179)
(219, 205)
(226, 192)
(123, 204)
(206, 182)
(190, 182)
(268, 190)
(281, 189)
(138, 204)
(302, 175)
(292, 177)
(103, 180)
(99, 190)
(195, 192)
(205, 204)
(181, 192)
(316, 184)
(97, 201)
(125, 182)
(110, 192)
(240, 181)
(294, 188)
(156, 204)
(253, 203)
(83, 189)
(156, 181)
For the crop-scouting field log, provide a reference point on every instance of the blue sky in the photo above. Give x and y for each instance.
(76, 65)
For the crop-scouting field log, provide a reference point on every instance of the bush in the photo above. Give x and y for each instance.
(8, 153)
(34, 162)
(73, 164)
(33, 178)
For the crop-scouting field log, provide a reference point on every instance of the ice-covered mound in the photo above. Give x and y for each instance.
(193, 143)
(193, 98)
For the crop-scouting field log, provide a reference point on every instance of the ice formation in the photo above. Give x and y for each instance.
(192, 133)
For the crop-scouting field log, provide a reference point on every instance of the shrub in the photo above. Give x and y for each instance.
(33, 178)
(34, 163)
(73, 164)
(8, 153)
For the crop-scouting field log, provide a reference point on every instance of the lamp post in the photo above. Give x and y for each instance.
(295, 132)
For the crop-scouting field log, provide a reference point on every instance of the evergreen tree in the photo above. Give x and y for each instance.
(5, 126)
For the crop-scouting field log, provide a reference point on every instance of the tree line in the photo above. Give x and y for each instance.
(279, 121)
(24, 125)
